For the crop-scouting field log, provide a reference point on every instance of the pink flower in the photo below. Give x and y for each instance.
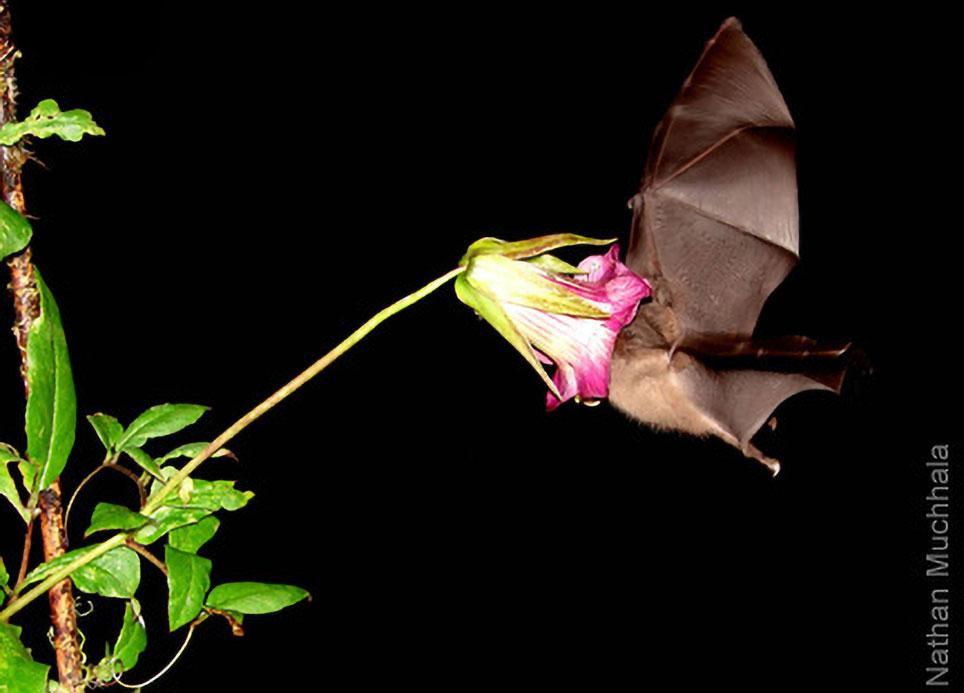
(554, 313)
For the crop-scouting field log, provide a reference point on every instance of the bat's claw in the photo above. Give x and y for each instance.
(753, 452)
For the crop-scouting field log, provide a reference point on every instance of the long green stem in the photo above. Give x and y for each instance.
(19, 602)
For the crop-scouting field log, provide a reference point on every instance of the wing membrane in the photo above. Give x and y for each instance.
(716, 222)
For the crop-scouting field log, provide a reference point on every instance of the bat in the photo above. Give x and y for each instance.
(715, 230)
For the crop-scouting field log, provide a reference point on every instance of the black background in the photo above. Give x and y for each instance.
(271, 177)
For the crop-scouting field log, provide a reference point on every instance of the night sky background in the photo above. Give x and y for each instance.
(271, 177)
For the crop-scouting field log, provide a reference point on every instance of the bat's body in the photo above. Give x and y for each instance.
(715, 230)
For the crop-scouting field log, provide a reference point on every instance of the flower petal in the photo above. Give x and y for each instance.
(581, 348)
(551, 315)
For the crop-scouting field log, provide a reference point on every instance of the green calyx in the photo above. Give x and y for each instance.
(531, 247)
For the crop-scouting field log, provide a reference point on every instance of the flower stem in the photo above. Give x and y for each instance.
(155, 501)
(314, 369)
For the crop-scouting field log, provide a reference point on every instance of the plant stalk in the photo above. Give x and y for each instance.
(155, 501)
(26, 303)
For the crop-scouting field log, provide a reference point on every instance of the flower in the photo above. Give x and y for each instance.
(552, 312)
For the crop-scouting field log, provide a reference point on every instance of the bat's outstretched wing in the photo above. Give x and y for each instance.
(715, 230)
(715, 225)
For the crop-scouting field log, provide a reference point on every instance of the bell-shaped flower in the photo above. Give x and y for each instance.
(553, 312)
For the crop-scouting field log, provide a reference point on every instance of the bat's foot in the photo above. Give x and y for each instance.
(751, 451)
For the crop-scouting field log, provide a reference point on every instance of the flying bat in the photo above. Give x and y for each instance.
(715, 230)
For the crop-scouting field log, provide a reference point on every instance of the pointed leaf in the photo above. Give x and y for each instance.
(108, 429)
(144, 461)
(210, 495)
(133, 637)
(215, 495)
(206, 497)
(52, 405)
(18, 672)
(15, 231)
(188, 580)
(254, 597)
(115, 574)
(47, 119)
(166, 518)
(28, 473)
(110, 516)
(45, 569)
(160, 420)
(190, 450)
(4, 575)
(8, 487)
(193, 537)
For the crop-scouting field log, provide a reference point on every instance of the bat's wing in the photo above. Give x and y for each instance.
(715, 230)
(715, 226)
(740, 401)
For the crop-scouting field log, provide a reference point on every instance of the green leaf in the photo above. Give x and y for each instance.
(206, 497)
(52, 405)
(133, 637)
(4, 575)
(212, 495)
(47, 119)
(254, 597)
(215, 495)
(103, 671)
(108, 429)
(191, 450)
(28, 472)
(166, 518)
(8, 487)
(188, 579)
(15, 231)
(110, 516)
(45, 569)
(160, 420)
(18, 672)
(115, 574)
(193, 537)
(144, 461)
